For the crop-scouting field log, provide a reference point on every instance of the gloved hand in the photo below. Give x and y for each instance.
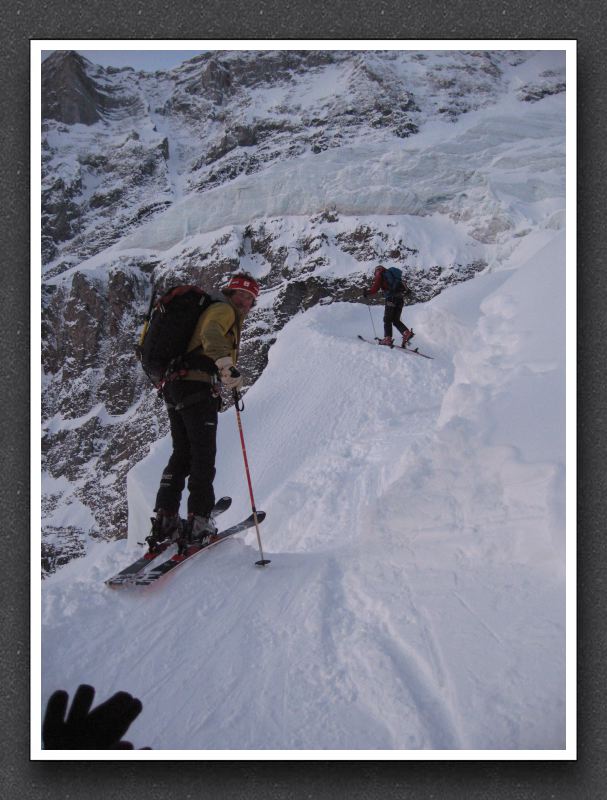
(365, 292)
(228, 374)
(99, 729)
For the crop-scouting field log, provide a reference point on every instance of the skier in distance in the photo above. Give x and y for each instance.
(193, 403)
(391, 283)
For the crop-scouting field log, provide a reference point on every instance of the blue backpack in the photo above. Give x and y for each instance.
(394, 280)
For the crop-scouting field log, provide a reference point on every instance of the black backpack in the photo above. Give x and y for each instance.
(394, 280)
(168, 328)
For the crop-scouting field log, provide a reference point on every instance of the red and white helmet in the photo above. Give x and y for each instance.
(244, 283)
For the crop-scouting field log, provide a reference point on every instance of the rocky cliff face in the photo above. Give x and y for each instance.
(121, 149)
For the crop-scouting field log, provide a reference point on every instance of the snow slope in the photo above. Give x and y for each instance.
(416, 527)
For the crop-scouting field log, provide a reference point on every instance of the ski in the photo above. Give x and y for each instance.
(193, 550)
(128, 574)
(414, 351)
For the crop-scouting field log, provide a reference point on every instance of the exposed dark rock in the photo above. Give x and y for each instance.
(69, 95)
(531, 94)
(60, 546)
(61, 214)
(213, 80)
(70, 92)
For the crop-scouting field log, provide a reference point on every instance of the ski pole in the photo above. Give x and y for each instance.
(372, 323)
(263, 561)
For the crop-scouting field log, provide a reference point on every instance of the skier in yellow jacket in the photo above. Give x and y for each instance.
(193, 404)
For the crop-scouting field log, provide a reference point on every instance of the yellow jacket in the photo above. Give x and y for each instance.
(218, 333)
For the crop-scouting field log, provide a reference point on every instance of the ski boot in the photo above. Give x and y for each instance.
(201, 529)
(386, 340)
(166, 528)
(407, 335)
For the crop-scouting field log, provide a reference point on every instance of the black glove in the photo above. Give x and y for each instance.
(365, 292)
(99, 729)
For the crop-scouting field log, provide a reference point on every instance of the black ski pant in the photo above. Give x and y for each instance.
(192, 410)
(392, 312)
